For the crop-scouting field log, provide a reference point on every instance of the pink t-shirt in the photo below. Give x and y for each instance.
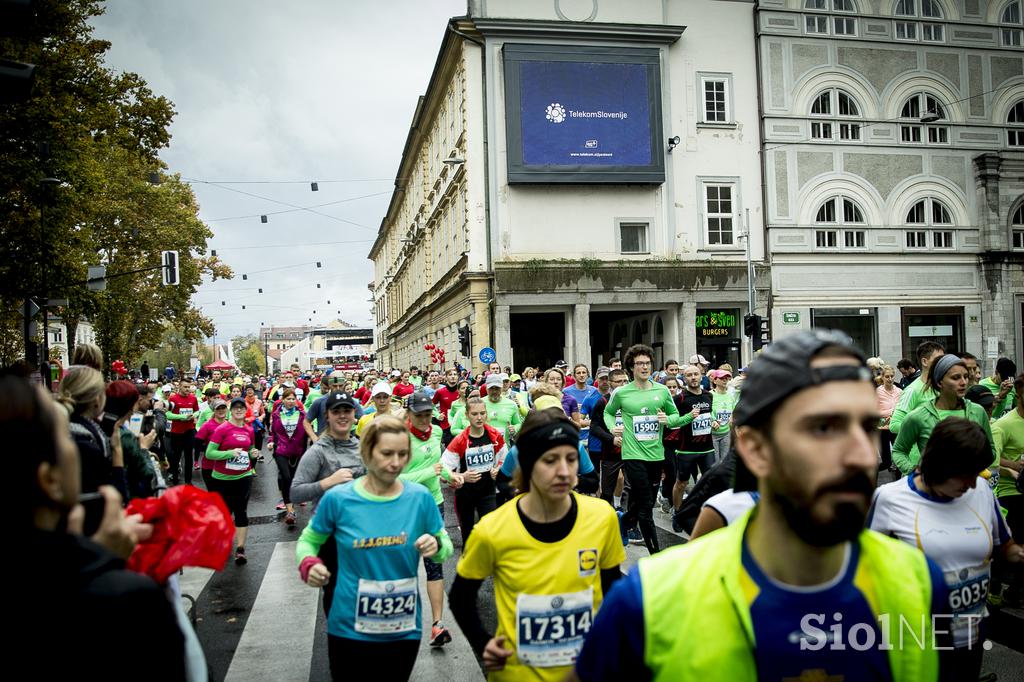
(228, 437)
(204, 434)
(886, 400)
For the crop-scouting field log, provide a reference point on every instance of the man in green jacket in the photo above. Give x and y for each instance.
(797, 588)
(1001, 385)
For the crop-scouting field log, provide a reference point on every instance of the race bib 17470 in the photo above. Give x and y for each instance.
(702, 424)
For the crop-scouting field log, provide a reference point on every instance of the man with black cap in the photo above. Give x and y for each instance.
(796, 588)
(425, 468)
(332, 460)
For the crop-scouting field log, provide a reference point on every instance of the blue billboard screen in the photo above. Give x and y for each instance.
(577, 114)
(585, 113)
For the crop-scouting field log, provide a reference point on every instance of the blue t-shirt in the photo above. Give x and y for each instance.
(614, 649)
(580, 396)
(377, 595)
(512, 461)
(587, 408)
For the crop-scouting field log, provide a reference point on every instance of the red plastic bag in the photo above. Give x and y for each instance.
(191, 527)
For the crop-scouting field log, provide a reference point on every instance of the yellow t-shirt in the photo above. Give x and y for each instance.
(547, 592)
(367, 418)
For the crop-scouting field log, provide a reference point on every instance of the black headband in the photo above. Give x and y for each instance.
(536, 442)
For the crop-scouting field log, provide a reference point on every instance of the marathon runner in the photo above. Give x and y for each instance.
(784, 592)
(381, 526)
(473, 459)
(425, 468)
(287, 442)
(1008, 434)
(696, 451)
(947, 379)
(723, 403)
(182, 413)
(580, 391)
(206, 431)
(553, 554)
(231, 449)
(443, 397)
(646, 408)
(502, 413)
(611, 445)
(918, 391)
(950, 513)
(382, 405)
(1001, 385)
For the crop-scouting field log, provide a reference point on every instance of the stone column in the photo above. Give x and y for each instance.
(503, 336)
(580, 335)
(687, 330)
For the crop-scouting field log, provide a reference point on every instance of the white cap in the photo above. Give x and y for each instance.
(494, 380)
(381, 387)
(699, 360)
(396, 373)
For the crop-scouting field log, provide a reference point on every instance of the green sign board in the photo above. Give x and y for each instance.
(790, 318)
(717, 324)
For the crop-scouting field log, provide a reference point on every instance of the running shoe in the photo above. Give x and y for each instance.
(439, 635)
(634, 536)
(666, 504)
(289, 518)
(622, 530)
(240, 559)
(280, 506)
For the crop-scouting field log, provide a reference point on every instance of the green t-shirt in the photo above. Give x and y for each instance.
(420, 469)
(999, 409)
(913, 396)
(205, 414)
(641, 435)
(500, 415)
(722, 406)
(1008, 435)
(416, 380)
(918, 426)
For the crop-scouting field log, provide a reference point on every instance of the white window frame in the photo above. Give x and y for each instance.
(1012, 34)
(1015, 128)
(645, 241)
(933, 232)
(726, 80)
(834, 126)
(1017, 228)
(707, 216)
(837, 229)
(830, 18)
(917, 26)
(931, 134)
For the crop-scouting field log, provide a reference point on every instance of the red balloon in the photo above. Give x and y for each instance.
(426, 347)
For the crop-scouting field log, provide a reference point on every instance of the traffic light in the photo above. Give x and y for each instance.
(764, 333)
(751, 325)
(170, 268)
(465, 345)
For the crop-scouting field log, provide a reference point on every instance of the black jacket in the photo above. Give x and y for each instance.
(84, 616)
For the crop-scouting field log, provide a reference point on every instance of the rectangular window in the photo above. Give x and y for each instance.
(716, 105)
(816, 24)
(719, 213)
(849, 131)
(917, 239)
(1012, 37)
(825, 239)
(815, 4)
(910, 133)
(938, 135)
(844, 26)
(932, 33)
(1018, 239)
(906, 30)
(1015, 138)
(821, 130)
(853, 239)
(633, 238)
(942, 239)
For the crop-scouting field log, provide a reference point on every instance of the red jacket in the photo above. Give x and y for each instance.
(443, 398)
(460, 444)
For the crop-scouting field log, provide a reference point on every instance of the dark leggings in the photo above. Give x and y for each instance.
(286, 467)
(473, 498)
(208, 479)
(434, 571)
(236, 496)
(886, 439)
(356, 659)
(181, 449)
(644, 478)
(609, 479)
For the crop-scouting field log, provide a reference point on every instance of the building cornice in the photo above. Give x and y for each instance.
(506, 29)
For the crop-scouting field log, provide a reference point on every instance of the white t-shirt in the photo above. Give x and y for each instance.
(732, 505)
(959, 535)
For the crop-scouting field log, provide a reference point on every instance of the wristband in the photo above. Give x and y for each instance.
(306, 564)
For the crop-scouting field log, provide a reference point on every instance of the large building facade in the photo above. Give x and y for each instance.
(602, 170)
(894, 162)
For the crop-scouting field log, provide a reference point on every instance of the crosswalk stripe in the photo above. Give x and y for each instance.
(283, 618)
(455, 660)
(192, 582)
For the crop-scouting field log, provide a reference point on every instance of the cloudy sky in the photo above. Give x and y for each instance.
(271, 96)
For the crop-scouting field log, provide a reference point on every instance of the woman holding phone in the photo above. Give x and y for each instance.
(232, 452)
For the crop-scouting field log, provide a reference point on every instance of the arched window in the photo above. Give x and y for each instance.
(1015, 121)
(927, 14)
(839, 214)
(929, 216)
(836, 105)
(837, 25)
(1012, 19)
(1017, 227)
(921, 111)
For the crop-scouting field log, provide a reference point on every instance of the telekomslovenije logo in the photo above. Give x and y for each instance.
(555, 112)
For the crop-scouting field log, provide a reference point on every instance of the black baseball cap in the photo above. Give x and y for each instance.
(340, 399)
(980, 395)
(238, 401)
(784, 368)
(420, 402)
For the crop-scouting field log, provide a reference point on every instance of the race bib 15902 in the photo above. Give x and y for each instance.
(646, 427)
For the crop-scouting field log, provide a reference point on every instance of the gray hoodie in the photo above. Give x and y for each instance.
(320, 460)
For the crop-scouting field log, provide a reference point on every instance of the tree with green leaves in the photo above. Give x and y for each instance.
(76, 160)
